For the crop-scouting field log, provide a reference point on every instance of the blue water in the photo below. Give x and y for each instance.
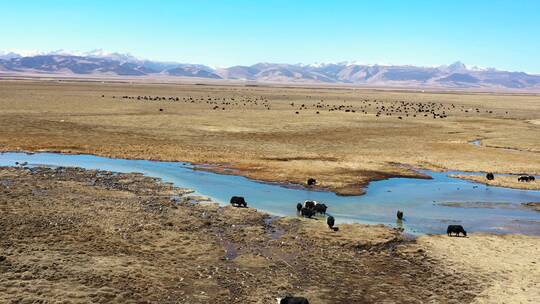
(418, 198)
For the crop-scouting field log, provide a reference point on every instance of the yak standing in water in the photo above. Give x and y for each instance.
(307, 212)
(399, 215)
(320, 208)
(309, 204)
(299, 207)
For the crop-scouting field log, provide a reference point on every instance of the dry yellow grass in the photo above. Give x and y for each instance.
(507, 264)
(343, 151)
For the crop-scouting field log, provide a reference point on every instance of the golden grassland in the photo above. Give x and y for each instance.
(268, 140)
(507, 264)
(83, 236)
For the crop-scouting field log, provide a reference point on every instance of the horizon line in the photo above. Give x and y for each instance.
(101, 53)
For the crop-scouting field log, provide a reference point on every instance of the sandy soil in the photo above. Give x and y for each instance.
(255, 129)
(76, 236)
(508, 265)
(506, 181)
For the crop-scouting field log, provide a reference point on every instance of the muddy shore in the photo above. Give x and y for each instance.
(86, 236)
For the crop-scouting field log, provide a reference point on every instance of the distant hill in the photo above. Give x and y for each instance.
(456, 75)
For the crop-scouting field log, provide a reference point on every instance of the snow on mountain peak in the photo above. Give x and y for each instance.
(97, 53)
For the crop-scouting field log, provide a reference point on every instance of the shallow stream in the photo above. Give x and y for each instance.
(429, 205)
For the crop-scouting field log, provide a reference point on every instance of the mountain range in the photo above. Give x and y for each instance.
(99, 63)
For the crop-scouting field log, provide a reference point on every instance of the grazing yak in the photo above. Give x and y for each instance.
(523, 179)
(490, 176)
(299, 207)
(526, 178)
(457, 229)
(311, 181)
(292, 300)
(238, 201)
(399, 215)
(331, 221)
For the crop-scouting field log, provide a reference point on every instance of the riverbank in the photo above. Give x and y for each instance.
(87, 236)
(508, 181)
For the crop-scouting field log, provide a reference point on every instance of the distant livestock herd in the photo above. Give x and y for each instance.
(522, 178)
(400, 109)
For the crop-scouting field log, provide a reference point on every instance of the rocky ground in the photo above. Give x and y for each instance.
(75, 236)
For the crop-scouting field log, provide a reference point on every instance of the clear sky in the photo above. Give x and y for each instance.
(501, 34)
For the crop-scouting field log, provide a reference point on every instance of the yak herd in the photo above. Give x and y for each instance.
(391, 108)
(522, 178)
(526, 178)
(310, 208)
(215, 103)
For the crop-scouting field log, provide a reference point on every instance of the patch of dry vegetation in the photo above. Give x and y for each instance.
(508, 265)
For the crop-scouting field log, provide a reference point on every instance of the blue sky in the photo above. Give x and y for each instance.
(501, 34)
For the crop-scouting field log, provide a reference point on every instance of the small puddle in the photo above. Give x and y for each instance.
(419, 199)
(230, 250)
(476, 142)
(274, 231)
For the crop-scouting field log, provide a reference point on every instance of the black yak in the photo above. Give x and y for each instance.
(307, 212)
(523, 179)
(309, 204)
(292, 300)
(457, 229)
(238, 201)
(331, 221)
(320, 208)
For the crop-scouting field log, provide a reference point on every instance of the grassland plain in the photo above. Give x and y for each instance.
(88, 237)
(343, 137)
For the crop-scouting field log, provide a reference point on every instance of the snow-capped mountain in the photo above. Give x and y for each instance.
(99, 62)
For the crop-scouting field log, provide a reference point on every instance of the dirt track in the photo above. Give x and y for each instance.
(77, 236)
